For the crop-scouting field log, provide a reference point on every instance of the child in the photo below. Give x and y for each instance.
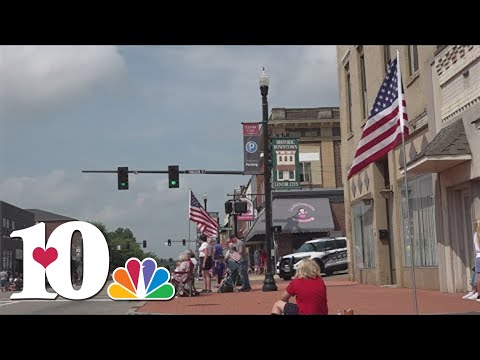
(308, 288)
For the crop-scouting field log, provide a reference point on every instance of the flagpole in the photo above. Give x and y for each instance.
(400, 112)
(188, 218)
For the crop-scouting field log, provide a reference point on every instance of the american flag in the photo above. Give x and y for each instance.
(384, 128)
(197, 214)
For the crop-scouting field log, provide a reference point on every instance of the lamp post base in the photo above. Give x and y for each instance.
(269, 283)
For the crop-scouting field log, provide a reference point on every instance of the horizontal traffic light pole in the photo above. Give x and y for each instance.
(207, 172)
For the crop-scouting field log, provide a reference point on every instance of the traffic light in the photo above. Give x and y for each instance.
(240, 207)
(184, 242)
(169, 242)
(228, 207)
(122, 173)
(144, 243)
(173, 180)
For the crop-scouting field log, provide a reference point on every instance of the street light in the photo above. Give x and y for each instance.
(205, 200)
(269, 282)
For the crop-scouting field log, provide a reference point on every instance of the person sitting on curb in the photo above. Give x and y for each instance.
(309, 290)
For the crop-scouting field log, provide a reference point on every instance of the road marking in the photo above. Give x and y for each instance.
(6, 302)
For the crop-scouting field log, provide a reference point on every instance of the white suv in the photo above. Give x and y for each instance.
(329, 253)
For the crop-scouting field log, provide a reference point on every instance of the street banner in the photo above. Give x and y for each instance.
(286, 164)
(251, 148)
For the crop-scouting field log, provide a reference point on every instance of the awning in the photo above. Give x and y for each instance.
(297, 215)
(448, 148)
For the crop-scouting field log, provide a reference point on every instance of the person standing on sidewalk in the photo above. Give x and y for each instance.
(206, 263)
(476, 243)
(241, 249)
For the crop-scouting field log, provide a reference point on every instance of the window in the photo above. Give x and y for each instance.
(291, 158)
(336, 131)
(291, 175)
(279, 159)
(386, 56)
(8, 224)
(305, 172)
(349, 97)
(364, 243)
(280, 175)
(341, 243)
(13, 225)
(363, 82)
(421, 222)
(310, 133)
(412, 59)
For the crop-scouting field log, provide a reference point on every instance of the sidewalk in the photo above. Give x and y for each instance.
(342, 294)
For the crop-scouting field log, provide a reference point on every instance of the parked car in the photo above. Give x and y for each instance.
(330, 254)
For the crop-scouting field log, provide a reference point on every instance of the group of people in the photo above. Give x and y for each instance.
(215, 261)
(475, 279)
(308, 287)
(10, 282)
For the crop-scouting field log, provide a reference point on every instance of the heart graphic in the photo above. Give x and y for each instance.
(45, 257)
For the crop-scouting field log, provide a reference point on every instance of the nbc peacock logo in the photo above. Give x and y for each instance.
(141, 280)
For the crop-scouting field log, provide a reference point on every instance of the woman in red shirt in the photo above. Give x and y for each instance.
(309, 290)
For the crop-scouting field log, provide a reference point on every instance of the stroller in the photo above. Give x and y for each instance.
(231, 279)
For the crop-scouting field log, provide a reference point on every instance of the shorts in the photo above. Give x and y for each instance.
(208, 263)
(477, 265)
(290, 309)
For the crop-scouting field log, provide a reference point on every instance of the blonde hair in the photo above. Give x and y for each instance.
(185, 256)
(308, 269)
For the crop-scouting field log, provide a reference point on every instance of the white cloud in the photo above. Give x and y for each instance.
(299, 76)
(45, 78)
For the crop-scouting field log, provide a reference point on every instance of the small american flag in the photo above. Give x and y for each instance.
(197, 214)
(384, 128)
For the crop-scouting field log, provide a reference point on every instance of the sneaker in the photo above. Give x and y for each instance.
(473, 297)
(246, 289)
(469, 294)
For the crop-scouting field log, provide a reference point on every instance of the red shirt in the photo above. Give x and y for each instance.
(310, 294)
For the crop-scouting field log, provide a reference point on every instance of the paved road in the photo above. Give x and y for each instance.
(98, 305)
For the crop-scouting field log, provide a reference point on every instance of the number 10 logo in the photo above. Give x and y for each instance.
(52, 261)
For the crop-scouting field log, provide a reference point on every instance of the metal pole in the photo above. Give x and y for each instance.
(235, 224)
(409, 233)
(269, 282)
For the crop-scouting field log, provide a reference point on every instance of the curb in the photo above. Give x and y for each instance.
(133, 310)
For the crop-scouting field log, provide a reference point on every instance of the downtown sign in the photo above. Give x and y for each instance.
(286, 164)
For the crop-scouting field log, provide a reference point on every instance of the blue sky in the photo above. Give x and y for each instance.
(65, 109)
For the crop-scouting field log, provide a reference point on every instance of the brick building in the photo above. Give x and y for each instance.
(441, 87)
(11, 249)
(321, 186)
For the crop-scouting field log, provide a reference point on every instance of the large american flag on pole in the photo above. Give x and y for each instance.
(197, 214)
(386, 123)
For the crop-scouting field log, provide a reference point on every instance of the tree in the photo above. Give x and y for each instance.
(170, 260)
(101, 226)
